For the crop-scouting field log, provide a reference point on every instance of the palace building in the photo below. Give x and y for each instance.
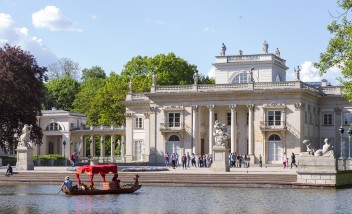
(264, 114)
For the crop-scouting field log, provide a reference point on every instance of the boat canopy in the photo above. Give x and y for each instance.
(95, 169)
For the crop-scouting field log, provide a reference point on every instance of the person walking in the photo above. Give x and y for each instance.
(173, 160)
(167, 159)
(293, 160)
(184, 161)
(188, 159)
(284, 160)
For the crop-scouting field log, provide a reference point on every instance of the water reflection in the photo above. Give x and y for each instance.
(42, 199)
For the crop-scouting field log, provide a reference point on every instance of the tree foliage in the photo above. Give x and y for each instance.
(21, 91)
(94, 72)
(64, 67)
(339, 50)
(61, 93)
(170, 70)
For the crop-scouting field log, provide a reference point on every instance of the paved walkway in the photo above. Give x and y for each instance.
(255, 169)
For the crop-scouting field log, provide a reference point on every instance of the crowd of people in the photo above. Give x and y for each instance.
(188, 160)
(239, 160)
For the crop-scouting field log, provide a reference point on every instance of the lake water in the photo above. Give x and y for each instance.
(42, 199)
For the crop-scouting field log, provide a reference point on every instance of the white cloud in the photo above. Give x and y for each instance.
(157, 22)
(14, 35)
(50, 17)
(209, 29)
(309, 73)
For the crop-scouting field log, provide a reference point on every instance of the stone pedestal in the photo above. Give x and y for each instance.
(220, 159)
(24, 158)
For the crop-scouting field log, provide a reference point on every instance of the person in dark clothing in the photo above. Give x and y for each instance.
(293, 160)
(9, 170)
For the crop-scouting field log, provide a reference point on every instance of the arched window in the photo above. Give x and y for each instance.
(174, 138)
(53, 127)
(241, 78)
(274, 137)
(278, 79)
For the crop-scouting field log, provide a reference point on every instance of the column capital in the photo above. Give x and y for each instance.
(146, 115)
(195, 108)
(233, 107)
(211, 107)
(152, 109)
(299, 106)
(250, 106)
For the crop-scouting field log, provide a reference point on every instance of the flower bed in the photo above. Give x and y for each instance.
(144, 169)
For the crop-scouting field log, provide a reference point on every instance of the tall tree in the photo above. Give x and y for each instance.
(64, 67)
(94, 72)
(61, 93)
(21, 85)
(171, 70)
(339, 50)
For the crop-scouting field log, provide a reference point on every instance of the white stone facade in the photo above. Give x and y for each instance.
(264, 113)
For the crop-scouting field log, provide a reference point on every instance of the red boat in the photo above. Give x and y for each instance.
(108, 187)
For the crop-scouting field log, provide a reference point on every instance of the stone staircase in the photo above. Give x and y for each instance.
(161, 179)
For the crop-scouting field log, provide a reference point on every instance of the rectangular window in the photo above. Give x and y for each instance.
(138, 123)
(174, 119)
(274, 118)
(348, 118)
(327, 119)
(215, 116)
(229, 119)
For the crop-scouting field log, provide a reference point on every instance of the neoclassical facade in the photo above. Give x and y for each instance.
(264, 114)
(65, 132)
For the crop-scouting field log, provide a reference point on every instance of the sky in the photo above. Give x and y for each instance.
(110, 33)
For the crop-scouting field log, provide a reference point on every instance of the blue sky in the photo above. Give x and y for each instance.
(109, 33)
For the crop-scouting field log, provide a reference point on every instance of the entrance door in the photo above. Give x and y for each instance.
(137, 150)
(274, 149)
(173, 145)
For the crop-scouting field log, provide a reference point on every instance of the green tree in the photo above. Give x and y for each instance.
(339, 50)
(94, 72)
(87, 91)
(170, 70)
(61, 93)
(106, 107)
(21, 91)
(64, 67)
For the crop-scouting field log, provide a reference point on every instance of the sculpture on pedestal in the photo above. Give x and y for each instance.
(25, 136)
(325, 151)
(220, 134)
(223, 50)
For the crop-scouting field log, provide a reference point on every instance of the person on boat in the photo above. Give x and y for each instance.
(67, 184)
(116, 181)
(9, 170)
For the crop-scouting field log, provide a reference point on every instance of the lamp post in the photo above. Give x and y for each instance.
(348, 165)
(341, 129)
(64, 143)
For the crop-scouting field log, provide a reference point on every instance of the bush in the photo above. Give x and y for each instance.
(8, 160)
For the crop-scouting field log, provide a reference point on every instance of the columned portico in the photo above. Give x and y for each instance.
(211, 126)
(250, 128)
(195, 130)
(233, 129)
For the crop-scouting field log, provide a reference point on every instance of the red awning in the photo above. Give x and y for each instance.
(95, 169)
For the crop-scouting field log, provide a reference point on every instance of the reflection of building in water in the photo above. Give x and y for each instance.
(269, 115)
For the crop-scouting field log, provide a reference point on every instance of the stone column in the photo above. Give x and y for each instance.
(250, 129)
(195, 130)
(91, 146)
(233, 129)
(102, 146)
(123, 144)
(211, 128)
(112, 150)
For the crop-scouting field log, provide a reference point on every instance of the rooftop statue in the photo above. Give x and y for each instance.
(154, 78)
(130, 86)
(220, 134)
(240, 52)
(25, 136)
(277, 52)
(265, 47)
(196, 77)
(297, 73)
(223, 50)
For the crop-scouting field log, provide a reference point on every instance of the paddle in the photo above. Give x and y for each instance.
(58, 191)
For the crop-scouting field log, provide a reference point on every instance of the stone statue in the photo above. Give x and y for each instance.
(326, 150)
(223, 50)
(310, 149)
(196, 77)
(220, 134)
(297, 73)
(251, 75)
(154, 78)
(277, 52)
(240, 52)
(25, 136)
(265, 47)
(130, 85)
